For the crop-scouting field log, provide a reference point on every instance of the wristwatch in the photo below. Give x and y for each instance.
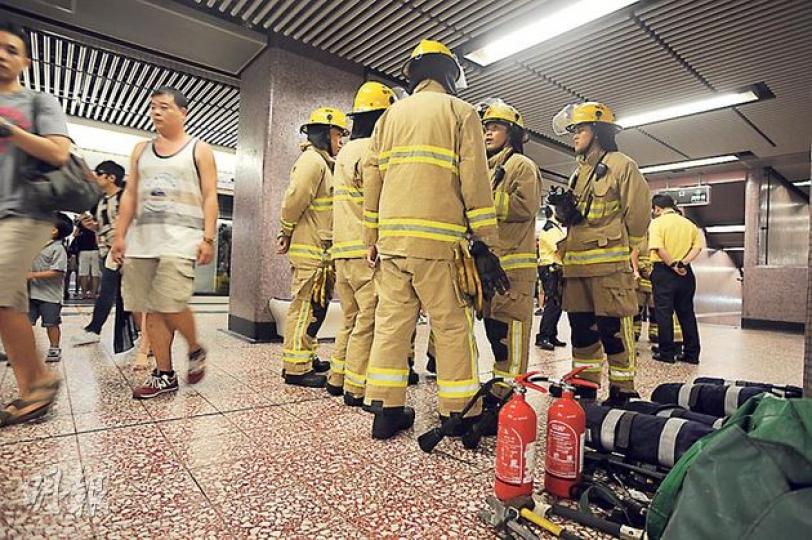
(209, 241)
(5, 128)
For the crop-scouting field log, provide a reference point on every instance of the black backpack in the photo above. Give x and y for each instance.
(70, 187)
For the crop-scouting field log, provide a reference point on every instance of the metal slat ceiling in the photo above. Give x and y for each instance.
(659, 52)
(102, 85)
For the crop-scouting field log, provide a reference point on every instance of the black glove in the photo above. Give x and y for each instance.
(490, 271)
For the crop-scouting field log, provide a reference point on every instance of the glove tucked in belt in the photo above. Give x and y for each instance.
(324, 280)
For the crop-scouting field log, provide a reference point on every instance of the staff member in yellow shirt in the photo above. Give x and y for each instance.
(674, 242)
(550, 275)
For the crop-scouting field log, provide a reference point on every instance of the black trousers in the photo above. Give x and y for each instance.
(675, 294)
(108, 291)
(550, 277)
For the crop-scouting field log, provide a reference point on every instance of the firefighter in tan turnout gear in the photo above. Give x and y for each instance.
(425, 189)
(306, 236)
(354, 285)
(606, 212)
(516, 185)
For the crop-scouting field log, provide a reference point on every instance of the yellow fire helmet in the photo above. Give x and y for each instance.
(428, 46)
(372, 96)
(499, 111)
(327, 116)
(582, 113)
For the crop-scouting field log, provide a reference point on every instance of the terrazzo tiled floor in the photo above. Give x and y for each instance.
(242, 455)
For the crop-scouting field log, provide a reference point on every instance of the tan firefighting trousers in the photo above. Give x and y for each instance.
(402, 284)
(298, 347)
(508, 324)
(600, 310)
(356, 292)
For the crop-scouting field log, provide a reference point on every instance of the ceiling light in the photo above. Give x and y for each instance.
(546, 27)
(802, 183)
(725, 229)
(733, 249)
(752, 93)
(689, 164)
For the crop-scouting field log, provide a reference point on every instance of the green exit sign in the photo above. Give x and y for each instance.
(693, 196)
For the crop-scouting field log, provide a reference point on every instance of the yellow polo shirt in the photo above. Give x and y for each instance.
(548, 245)
(674, 233)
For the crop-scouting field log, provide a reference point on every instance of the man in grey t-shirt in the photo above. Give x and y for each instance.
(32, 127)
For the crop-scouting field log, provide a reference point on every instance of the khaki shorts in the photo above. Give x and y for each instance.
(162, 285)
(605, 296)
(21, 240)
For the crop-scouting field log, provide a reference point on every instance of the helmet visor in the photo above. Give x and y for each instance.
(562, 122)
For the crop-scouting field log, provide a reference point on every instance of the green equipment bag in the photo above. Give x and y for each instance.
(750, 479)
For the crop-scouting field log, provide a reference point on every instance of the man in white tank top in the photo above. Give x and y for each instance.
(166, 225)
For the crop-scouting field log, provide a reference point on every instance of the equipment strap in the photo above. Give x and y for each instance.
(666, 451)
(732, 399)
(608, 425)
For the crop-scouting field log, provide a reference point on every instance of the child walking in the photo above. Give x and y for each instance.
(45, 282)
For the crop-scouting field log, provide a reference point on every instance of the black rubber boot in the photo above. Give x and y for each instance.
(388, 422)
(308, 380)
(334, 390)
(431, 366)
(320, 366)
(352, 401)
(619, 397)
(463, 427)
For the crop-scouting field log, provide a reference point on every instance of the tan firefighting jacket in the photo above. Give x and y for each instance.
(644, 266)
(348, 201)
(617, 212)
(516, 200)
(307, 207)
(426, 179)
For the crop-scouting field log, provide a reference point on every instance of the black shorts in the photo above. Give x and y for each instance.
(51, 313)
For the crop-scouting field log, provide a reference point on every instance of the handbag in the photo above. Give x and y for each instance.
(70, 187)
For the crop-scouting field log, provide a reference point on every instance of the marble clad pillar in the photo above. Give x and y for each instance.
(277, 92)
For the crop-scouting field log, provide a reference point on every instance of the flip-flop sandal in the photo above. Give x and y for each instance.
(21, 411)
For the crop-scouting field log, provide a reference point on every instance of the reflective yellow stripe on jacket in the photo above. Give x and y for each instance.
(515, 261)
(306, 251)
(344, 193)
(419, 153)
(370, 219)
(481, 217)
(348, 250)
(321, 204)
(421, 228)
(596, 256)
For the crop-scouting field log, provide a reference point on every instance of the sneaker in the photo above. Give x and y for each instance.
(156, 384)
(85, 338)
(197, 366)
(311, 379)
(54, 354)
(388, 422)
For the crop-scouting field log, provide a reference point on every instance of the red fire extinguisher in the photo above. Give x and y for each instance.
(566, 426)
(516, 442)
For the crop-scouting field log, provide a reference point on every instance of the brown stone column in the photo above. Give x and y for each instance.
(277, 92)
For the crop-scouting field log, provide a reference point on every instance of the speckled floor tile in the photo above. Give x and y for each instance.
(242, 455)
